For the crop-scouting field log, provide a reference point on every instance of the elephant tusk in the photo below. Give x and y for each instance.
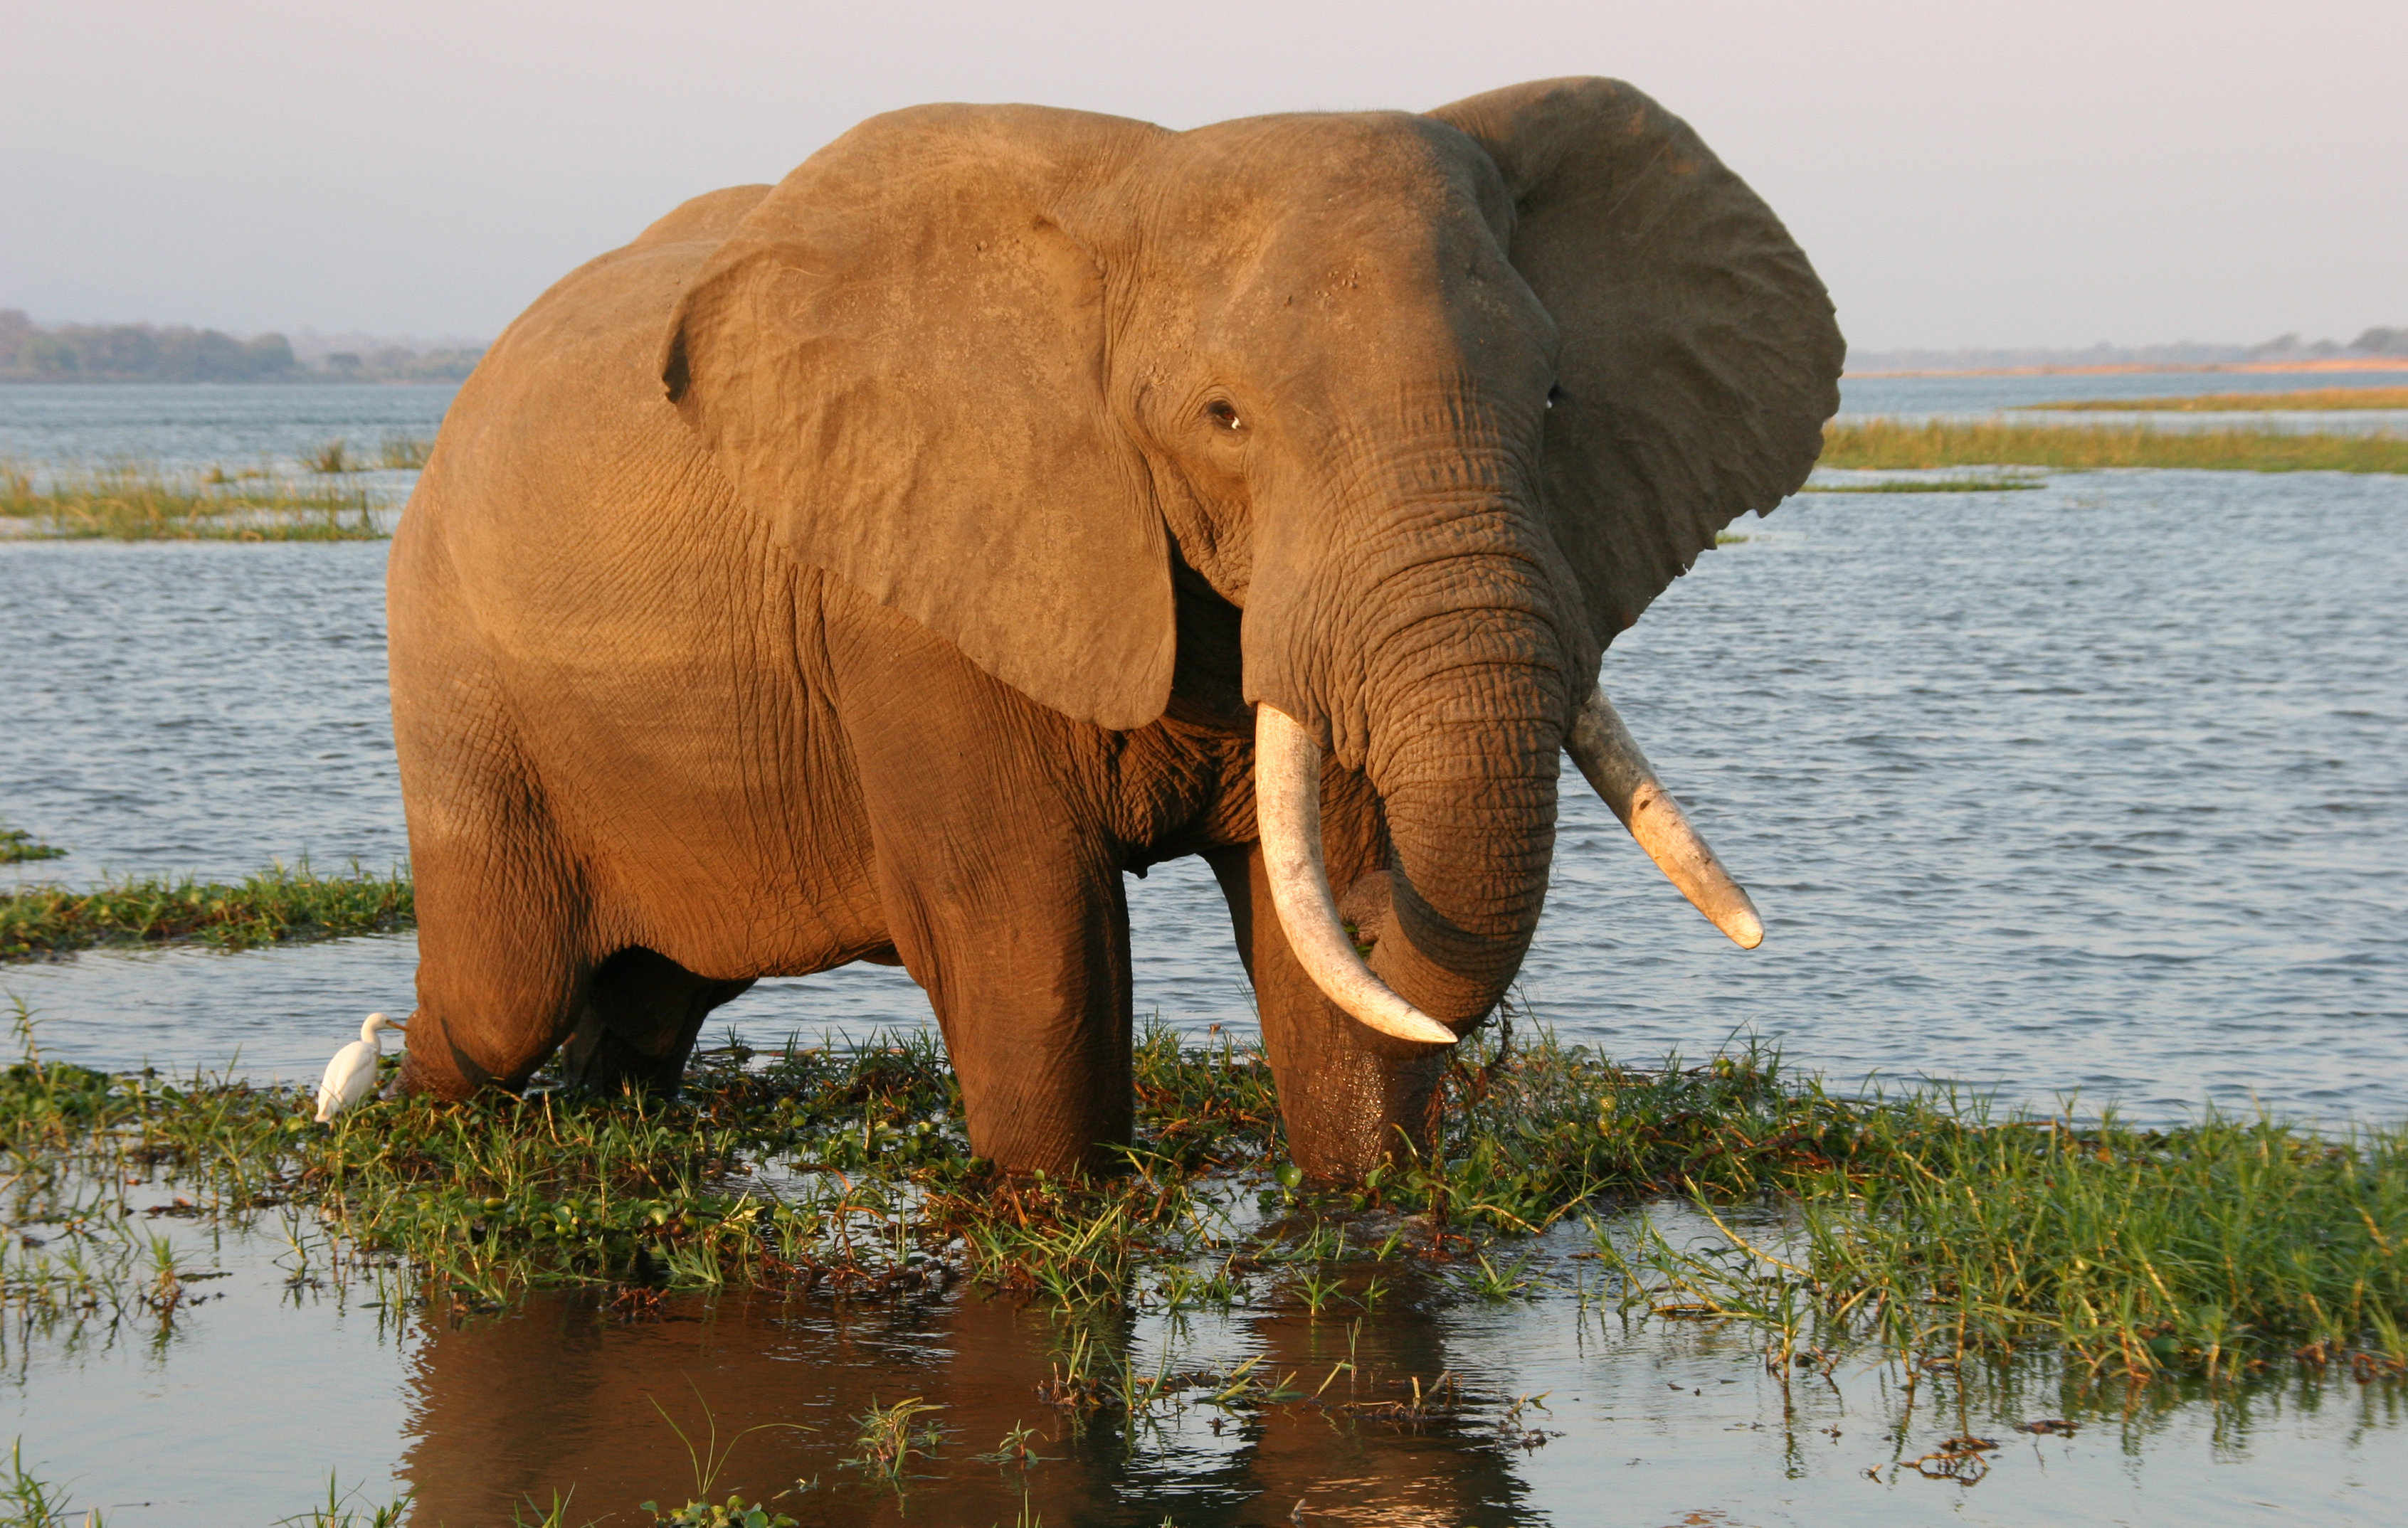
(1603, 748)
(1287, 812)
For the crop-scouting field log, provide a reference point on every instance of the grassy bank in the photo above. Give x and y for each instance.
(1931, 485)
(1918, 1223)
(139, 503)
(273, 905)
(2318, 400)
(1991, 443)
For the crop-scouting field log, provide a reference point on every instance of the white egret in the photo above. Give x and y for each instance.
(352, 1071)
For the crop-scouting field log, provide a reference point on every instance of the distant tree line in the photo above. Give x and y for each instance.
(397, 364)
(2373, 344)
(143, 353)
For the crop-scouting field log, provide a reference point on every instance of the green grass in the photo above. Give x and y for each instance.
(2320, 399)
(2220, 1247)
(17, 846)
(1922, 1224)
(138, 504)
(1930, 485)
(1884, 444)
(273, 905)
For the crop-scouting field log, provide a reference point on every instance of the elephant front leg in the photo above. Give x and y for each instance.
(1000, 881)
(1350, 1096)
(1029, 977)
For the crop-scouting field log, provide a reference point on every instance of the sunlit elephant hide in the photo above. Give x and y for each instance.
(880, 564)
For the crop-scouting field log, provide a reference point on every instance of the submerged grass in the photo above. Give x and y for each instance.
(275, 904)
(1941, 443)
(139, 504)
(2317, 399)
(329, 457)
(1918, 1222)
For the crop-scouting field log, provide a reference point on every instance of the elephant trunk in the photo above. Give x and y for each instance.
(1459, 705)
(1468, 781)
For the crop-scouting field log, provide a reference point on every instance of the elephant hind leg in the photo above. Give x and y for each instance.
(500, 973)
(504, 916)
(637, 1023)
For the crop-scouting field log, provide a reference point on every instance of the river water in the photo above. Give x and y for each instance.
(2095, 789)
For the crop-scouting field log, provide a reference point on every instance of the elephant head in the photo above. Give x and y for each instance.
(1438, 402)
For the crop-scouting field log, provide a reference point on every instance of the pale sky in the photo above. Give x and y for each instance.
(2039, 173)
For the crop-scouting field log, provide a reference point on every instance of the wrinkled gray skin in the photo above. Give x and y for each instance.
(878, 566)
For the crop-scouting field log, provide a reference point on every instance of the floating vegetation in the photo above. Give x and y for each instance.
(1930, 485)
(138, 504)
(273, 905)
(1887, 444)
(2316, 400)
(404, 453)
(17, 846)
(1919, 1224)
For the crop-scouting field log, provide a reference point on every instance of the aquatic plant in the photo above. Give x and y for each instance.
(1879, 443)
(329, 457)
(1921, 1222)
(343, 1509)
(131, 503)
(2220, 1247)
(555, 1515)
(736, 1512)
(28, 1501)
(2319, 399)
(17, 846)
(278, 903)
(891, 1436)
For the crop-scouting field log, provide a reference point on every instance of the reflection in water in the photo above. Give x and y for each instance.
(509, 1408)
(1649, 1422)
(242, 1404)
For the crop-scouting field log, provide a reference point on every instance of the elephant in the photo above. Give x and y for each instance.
(880, 566)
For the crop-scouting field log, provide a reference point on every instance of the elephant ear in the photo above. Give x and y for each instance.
(897, 357)
(1700, 355)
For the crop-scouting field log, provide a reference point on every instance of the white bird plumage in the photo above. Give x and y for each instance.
(352, 1071)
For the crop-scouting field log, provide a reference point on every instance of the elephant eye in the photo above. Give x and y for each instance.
(1225, 414)
(1556, 394)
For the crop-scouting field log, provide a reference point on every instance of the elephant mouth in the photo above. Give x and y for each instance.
(1288, 807)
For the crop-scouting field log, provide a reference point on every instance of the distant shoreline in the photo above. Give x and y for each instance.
(2369, 363)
